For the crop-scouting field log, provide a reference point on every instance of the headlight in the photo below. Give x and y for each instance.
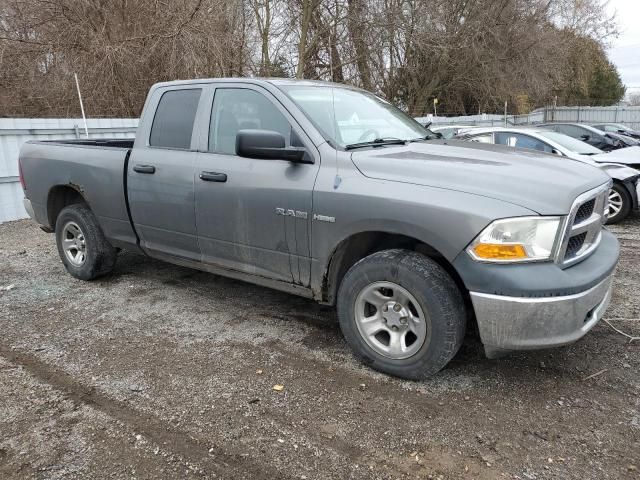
(521, 239)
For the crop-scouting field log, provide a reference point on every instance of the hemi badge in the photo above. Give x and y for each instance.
(324, 218)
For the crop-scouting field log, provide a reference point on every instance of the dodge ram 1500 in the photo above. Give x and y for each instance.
(330, 192)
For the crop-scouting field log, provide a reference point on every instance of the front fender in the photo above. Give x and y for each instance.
(445, 220)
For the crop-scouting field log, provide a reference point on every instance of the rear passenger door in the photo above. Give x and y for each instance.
(253, 215)
(161, 173)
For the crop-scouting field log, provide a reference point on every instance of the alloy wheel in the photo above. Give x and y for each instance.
(74, 244)
(615, 203)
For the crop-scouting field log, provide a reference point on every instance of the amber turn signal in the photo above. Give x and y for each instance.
(495, 251)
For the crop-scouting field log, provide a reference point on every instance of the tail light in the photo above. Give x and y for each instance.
(21, 176)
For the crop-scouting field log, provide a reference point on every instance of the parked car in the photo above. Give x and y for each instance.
(618, 128)
(625, 140)
(623, 196)
(329, 192)
(449, 131)
(606, 141)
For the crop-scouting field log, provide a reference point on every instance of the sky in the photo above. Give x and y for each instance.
(625, 50)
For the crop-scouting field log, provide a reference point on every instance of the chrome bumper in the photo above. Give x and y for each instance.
(27, 206)
(518, 323)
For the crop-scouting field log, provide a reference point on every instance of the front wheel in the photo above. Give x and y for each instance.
(401, 313)
(619, 204)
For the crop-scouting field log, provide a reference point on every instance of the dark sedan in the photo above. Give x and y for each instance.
(619, 129)
(606, 141)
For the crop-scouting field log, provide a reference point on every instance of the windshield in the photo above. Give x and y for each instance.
(349, 117)
(570, 143)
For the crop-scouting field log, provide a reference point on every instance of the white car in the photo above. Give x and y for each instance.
(624, 194)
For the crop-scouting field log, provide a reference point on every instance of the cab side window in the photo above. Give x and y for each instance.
(522, 141)
(174, 118)
(236, 109)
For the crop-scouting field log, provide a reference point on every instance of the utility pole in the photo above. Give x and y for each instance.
(84, 118)
(505, 113)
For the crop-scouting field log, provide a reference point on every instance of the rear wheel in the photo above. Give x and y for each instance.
(401, 313)
(82, 246)
(619, 204)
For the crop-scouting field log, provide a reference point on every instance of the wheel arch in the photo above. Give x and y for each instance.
(630, 187)
(61, 196)
(359, 245)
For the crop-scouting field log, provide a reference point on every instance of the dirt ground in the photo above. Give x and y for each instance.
(159, 371)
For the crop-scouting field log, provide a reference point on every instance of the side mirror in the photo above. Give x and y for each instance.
(557, 152)
(268, 145)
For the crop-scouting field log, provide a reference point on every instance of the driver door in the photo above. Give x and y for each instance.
(252, 215)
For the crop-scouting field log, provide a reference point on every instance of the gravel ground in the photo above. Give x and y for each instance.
(158, 371)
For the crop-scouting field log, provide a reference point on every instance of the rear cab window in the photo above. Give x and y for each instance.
(174, 119)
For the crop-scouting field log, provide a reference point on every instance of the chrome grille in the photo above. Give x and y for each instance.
(585, 211)
(583, 226)
(574, 245)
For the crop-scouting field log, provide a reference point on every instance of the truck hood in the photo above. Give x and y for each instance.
(542, 183)
(625, 156)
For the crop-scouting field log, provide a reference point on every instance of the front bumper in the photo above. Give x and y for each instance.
(520, 323)
(539, 305)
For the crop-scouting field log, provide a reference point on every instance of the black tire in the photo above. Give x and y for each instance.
(625, 209)
(100, 255)
(435, 291)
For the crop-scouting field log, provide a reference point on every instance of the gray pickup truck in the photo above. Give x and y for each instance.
(331, 193)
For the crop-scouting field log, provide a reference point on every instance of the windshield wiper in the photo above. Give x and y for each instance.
(429, 136)
(376, 143)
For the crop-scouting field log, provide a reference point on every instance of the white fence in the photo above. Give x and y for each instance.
(485, 120)
(629, 116)
(15, 131)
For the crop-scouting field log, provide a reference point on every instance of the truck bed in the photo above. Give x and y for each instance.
(99, 142)
(96, 169)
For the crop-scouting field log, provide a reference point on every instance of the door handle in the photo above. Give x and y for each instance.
(213, 177)
(144, 168)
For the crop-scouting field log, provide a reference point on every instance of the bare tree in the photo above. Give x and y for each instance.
(470, 55)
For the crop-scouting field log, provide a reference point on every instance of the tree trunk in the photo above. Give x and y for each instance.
(307, 11)
(355, 26)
